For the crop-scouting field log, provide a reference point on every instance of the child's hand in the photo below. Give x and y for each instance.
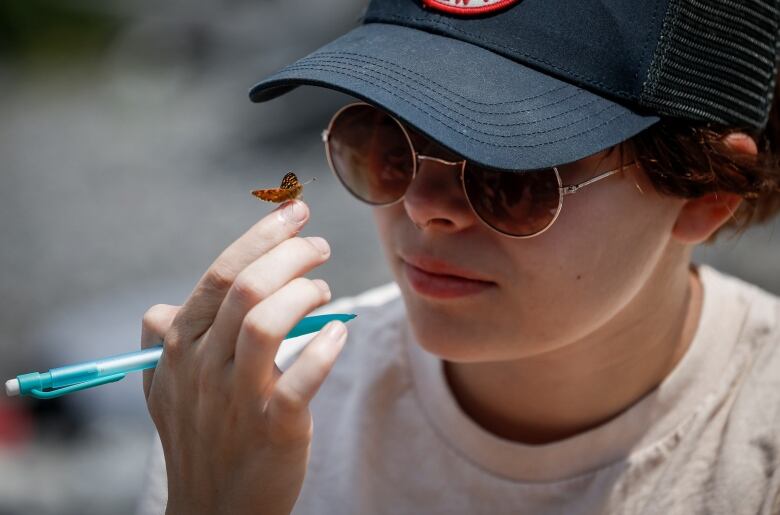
(236, 431)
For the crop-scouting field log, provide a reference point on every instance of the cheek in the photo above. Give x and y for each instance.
(386, 219)
(591, 263)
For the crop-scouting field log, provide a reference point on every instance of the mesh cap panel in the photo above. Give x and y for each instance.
(716, 61)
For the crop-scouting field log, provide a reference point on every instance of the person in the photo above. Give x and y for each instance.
(540, 174)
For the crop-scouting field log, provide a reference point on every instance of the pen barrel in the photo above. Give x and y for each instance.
(130, 361)
(72, 374)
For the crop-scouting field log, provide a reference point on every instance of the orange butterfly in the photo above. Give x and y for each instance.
(291, 188)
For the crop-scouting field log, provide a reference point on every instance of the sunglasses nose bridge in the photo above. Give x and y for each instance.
(422, 157)
(422, 201)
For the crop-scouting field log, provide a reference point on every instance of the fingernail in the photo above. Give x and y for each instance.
(322, 285)
(293, 212)
(335, 330)
(319, 243)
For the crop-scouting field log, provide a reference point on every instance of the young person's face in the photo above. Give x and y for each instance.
(609, 240)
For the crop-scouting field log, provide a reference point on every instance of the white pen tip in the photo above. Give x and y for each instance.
(12, 387)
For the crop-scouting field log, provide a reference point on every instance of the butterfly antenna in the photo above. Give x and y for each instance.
(312, 179)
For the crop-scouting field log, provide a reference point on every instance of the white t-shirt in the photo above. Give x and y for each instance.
(389, 437)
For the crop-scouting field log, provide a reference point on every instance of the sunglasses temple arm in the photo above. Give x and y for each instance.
(573, 188)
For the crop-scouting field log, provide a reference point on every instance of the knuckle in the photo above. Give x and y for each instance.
(154, 317)
(173, 345)
(310, 288)
(152, 314)
(255, 327)
(288, 400)
(219, 278)
(249, 291)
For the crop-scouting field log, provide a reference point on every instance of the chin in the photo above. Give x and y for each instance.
(449, 350)
(451, 336)
(448, 336)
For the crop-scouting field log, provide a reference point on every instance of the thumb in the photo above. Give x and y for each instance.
(156, 322)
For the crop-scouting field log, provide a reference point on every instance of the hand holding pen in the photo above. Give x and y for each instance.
(89, 374)
(235, 430)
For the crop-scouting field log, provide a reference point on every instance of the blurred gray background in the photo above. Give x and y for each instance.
(128, 149)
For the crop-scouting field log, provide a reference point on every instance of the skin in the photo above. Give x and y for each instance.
(604, 297)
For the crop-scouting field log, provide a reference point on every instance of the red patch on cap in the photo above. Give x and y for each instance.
(468, 6)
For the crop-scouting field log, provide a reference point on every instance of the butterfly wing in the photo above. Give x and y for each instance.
(272, 194)
(290, 189)
(290, 182)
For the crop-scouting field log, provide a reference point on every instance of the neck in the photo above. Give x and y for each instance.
(564, 392)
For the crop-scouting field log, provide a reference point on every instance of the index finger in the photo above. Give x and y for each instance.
(198, 312)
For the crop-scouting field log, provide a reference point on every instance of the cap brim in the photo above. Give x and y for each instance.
(485, 107)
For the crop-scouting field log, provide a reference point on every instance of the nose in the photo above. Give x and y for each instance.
(435, 199)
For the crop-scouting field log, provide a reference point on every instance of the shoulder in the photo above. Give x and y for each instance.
(757, 350)
(760, 323)
(750, 441)
(757, 312)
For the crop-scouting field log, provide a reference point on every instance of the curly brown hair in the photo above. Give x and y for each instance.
(688, 159)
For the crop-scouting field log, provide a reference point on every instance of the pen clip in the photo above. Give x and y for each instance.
(50, 394)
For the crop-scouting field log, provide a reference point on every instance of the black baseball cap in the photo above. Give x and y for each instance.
(525, 84)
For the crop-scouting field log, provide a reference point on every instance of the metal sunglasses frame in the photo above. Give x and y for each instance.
(563, 190)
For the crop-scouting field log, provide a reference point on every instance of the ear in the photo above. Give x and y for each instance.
(700, 217)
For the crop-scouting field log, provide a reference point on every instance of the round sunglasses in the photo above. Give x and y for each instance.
(373, 156)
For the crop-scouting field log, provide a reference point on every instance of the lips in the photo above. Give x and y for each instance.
(439, 267)
(440, 286)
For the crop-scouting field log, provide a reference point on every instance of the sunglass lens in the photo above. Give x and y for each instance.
(370, 154)
(519, 203)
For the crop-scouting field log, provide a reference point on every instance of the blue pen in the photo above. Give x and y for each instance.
(72, 378)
